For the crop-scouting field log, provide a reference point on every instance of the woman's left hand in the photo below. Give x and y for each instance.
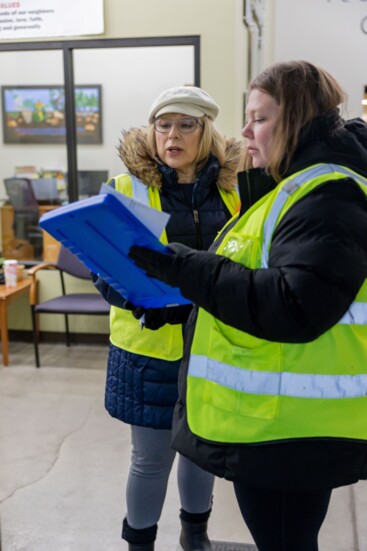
(162, 266)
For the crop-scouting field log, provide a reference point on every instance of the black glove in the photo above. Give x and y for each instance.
(110, 294)
(162, 266)
(155, 318)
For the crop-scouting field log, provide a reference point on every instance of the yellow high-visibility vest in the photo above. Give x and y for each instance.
(243, 389)
(167, 342)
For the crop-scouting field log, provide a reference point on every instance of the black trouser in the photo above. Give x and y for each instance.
(283, 521)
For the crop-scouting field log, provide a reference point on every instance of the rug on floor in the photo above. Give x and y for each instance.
(230, 546)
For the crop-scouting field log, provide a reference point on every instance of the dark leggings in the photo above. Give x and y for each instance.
(283, 521)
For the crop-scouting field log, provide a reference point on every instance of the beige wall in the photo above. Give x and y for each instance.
(217, 22)
(328, 34)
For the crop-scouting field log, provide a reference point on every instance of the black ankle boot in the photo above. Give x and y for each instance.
(139, 540)
(194, 535)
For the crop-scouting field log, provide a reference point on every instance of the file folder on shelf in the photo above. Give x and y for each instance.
(100, 231)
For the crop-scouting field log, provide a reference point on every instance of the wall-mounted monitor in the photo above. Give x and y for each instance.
(36, 114)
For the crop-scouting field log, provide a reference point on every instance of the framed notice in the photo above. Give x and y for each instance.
(47, 18)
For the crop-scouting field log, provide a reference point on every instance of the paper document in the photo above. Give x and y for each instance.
(155, 220)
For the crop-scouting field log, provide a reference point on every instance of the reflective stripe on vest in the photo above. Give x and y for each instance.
(357, 312)
(298, 385)
(288, 189)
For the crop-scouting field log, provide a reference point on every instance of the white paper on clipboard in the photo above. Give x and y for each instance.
(153, 219)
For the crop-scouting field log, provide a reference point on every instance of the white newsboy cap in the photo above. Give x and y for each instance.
(186, 100)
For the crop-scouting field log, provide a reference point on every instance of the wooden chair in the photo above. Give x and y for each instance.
(64, 303)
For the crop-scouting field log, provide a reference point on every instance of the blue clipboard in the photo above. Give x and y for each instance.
(100, 231)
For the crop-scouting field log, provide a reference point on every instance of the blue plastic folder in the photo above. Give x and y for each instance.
(100, 231)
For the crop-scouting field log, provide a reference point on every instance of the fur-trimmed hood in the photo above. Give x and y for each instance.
(134, 152)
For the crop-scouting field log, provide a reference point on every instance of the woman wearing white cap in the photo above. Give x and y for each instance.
(182, 165)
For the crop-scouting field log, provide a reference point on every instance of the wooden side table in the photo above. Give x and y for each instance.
(7, 296)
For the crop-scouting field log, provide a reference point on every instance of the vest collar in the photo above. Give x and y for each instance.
(253, 184)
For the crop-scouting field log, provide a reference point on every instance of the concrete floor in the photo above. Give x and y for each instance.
(64, 464)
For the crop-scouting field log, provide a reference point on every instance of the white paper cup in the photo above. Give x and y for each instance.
(10, 272)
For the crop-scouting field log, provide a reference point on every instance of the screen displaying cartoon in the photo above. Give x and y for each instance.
(36, 114)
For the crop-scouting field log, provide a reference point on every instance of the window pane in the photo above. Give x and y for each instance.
(129, 79)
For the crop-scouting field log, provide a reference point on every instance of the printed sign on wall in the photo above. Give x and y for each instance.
(48, 18)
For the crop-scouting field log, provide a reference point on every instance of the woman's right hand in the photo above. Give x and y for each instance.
(110, 294)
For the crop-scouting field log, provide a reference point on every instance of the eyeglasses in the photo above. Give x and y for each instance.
(186, 125)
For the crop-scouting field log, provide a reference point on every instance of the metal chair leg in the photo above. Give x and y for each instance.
(67, 333)
(35, 337)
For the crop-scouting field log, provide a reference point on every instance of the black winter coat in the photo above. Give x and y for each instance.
(317, 263)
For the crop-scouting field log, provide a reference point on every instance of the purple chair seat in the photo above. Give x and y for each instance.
(74, 303)
(66, 303)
